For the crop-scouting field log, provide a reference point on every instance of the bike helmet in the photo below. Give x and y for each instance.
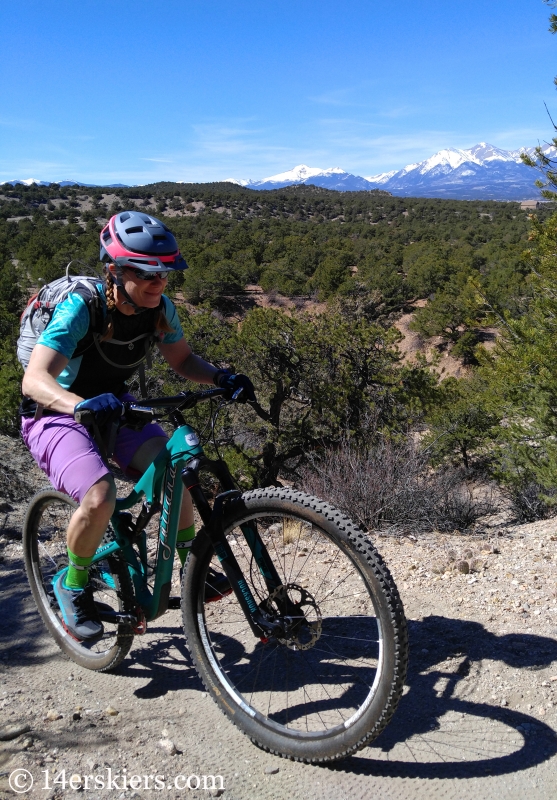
(135, 239)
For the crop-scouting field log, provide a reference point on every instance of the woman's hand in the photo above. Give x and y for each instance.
(103, 409)
(234, 383)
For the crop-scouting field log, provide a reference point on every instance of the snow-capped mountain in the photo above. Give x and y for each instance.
(332, 178)
(451, 158)
(382, 177)
(483, 172)
(29, 181)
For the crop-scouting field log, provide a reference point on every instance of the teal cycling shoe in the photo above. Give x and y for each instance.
(79, 613)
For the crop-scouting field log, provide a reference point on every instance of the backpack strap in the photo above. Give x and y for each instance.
(148, 338)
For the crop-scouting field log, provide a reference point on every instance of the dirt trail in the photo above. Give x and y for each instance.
(478, 717)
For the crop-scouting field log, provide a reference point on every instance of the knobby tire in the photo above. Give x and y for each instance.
(44, 548)
(331, 690)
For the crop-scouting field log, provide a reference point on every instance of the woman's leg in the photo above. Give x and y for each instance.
(89, 522)
(72, 462)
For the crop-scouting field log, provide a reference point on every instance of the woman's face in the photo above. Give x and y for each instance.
(146, 294)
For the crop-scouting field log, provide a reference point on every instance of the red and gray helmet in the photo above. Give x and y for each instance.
(134, 239)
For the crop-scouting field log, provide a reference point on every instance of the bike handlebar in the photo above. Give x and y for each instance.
(138, 413)
(179, 401)
(145, 409)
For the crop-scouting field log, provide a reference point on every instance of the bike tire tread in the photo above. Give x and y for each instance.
(69, 646)
(362, 543)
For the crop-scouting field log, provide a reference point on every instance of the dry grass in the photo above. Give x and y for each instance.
(392, 487)
(292, 531)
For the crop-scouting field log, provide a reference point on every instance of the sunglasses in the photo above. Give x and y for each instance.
(143, 275)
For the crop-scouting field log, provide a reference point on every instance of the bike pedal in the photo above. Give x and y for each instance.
(141, 626)
(84, 642)
(174, 602)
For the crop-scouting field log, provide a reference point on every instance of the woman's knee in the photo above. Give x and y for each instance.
(147, 452)
(101, 497)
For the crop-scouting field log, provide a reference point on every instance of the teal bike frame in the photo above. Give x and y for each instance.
(161, 488)
(162, 479)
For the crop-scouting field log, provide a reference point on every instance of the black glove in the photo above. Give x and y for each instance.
(233, 383)
(102, 409)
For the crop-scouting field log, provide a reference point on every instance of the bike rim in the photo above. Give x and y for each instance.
(312, 685)
(50, 556)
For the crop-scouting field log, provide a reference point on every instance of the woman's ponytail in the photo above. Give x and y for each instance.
(110, 291)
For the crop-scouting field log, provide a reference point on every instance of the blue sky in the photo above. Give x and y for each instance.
(103, 91)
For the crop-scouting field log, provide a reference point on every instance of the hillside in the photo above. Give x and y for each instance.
(298, 241)
(369, 283)
(373, 253)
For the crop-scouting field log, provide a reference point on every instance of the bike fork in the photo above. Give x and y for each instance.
(261, 626)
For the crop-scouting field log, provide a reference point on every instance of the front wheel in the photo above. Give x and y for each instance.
(44, 548)
(330, 685)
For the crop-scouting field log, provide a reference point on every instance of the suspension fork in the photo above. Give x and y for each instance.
(213, 524)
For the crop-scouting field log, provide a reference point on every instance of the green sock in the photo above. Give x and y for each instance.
(78, 574)
(183, 542)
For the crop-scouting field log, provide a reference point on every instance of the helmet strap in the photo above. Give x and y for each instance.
(117, 278)
(129, 302)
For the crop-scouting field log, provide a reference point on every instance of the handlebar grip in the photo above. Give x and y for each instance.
(84, 417)
(136, 415)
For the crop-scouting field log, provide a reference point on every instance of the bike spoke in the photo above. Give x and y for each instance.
(47, 533)
(312, 689)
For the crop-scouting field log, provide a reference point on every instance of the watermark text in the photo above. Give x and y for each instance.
(22, 781)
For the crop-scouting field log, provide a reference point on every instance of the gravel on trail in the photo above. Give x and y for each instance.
(478, 717)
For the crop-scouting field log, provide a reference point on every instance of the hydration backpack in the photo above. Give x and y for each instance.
(41, 306)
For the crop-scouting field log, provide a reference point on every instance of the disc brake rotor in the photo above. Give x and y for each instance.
(303, 628)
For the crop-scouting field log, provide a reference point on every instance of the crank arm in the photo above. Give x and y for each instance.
(117, 617)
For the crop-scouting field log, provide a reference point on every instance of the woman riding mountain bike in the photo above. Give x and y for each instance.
(72, 370)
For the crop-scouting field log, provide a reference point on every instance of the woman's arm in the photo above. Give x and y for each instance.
(39, 381)
(183, 360)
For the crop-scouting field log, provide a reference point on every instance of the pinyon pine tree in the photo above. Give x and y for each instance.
(521, 373)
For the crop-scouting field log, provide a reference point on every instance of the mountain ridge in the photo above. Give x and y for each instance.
(483, 172)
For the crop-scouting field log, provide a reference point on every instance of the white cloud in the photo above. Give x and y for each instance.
(215, 149)
(337, 97)
(157, 160)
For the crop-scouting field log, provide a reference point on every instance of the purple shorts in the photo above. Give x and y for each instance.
(69, 457)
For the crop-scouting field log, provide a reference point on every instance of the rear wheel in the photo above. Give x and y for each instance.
(44, 547)
(329, 683)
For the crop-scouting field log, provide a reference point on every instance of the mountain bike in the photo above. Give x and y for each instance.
(307, 655)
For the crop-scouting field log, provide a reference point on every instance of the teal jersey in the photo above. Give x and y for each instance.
(70, 326)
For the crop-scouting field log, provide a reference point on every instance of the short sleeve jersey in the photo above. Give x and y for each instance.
(68, 331)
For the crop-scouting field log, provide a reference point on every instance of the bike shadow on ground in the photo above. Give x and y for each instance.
(161, 657)
(433, 734)
(163, 661)
(476, 739)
